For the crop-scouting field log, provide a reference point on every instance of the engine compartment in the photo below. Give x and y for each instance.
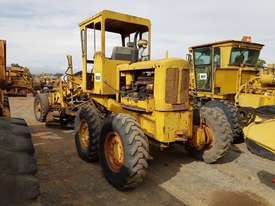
(137, 85)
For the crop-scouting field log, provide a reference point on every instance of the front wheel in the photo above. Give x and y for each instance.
(87, 130)
(232, 114)
(41, 107)
(123, 151)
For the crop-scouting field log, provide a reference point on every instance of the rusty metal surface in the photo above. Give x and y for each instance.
(2, 60)
(172, 82)
(184, 90)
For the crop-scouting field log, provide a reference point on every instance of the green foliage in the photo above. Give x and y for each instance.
(58, 75)
(260, 63)
(15, 65)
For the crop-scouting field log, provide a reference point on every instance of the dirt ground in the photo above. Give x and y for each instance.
(174, 177)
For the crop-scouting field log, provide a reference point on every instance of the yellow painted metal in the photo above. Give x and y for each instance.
(162, 118)
(114, 151)
(146, 105)
(227, 78)
(160, 67)
(255, 100)
(258, 91)
(198, 141)
(247, 86)
(84, 134)
(262, 133)
(163, 126)
(267, 79)
(203, 137)
(166, 115)
(21, 80)
(108, 77)
(66, 89)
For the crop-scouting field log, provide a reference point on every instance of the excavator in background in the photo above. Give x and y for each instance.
(18, 185)
(225, 75)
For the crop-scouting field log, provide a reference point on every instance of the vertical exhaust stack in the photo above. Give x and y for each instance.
(246, 38)
(70, 71)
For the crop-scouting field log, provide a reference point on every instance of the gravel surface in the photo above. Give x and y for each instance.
(174, 177)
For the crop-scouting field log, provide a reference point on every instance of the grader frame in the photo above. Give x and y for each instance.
(130, 98)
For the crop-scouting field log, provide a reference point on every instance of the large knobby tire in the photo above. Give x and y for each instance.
(15, 143)
(233, 118)
(18, 121)
(217, 122)
(16, 126)
(17, 163)
(17, 189)
(126, 169)
(88, 124)
(41, 107)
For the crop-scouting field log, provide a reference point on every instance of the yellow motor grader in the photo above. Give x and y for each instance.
(59, 104)
(225, 75)
(20, 81)
(43, 82)
(130, 99)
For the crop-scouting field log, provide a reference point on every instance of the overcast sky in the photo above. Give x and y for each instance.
(40, 33)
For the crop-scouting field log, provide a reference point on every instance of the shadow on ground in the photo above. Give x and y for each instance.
(231, 156)
(267, 178)
(67, 180)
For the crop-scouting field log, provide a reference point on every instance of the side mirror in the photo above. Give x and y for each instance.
(142, 43)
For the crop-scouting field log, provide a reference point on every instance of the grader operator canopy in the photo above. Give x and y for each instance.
(220, 62)
(109, 39)
(117, 36)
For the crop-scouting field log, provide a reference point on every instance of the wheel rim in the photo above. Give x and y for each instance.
(84, 134)
(38, 109)
(114, 151)
(210, 138)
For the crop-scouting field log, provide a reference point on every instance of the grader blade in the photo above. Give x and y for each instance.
(260, 138)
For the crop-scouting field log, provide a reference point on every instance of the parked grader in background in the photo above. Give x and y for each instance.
(20, 80)
(60, 103)
(125, 99)
(224, 75)
(44, 82)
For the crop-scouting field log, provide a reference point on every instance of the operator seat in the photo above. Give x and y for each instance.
(129, 53)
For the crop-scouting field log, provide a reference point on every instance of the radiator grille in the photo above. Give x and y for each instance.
(184, 89)
(177, 87)
(172, 82)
